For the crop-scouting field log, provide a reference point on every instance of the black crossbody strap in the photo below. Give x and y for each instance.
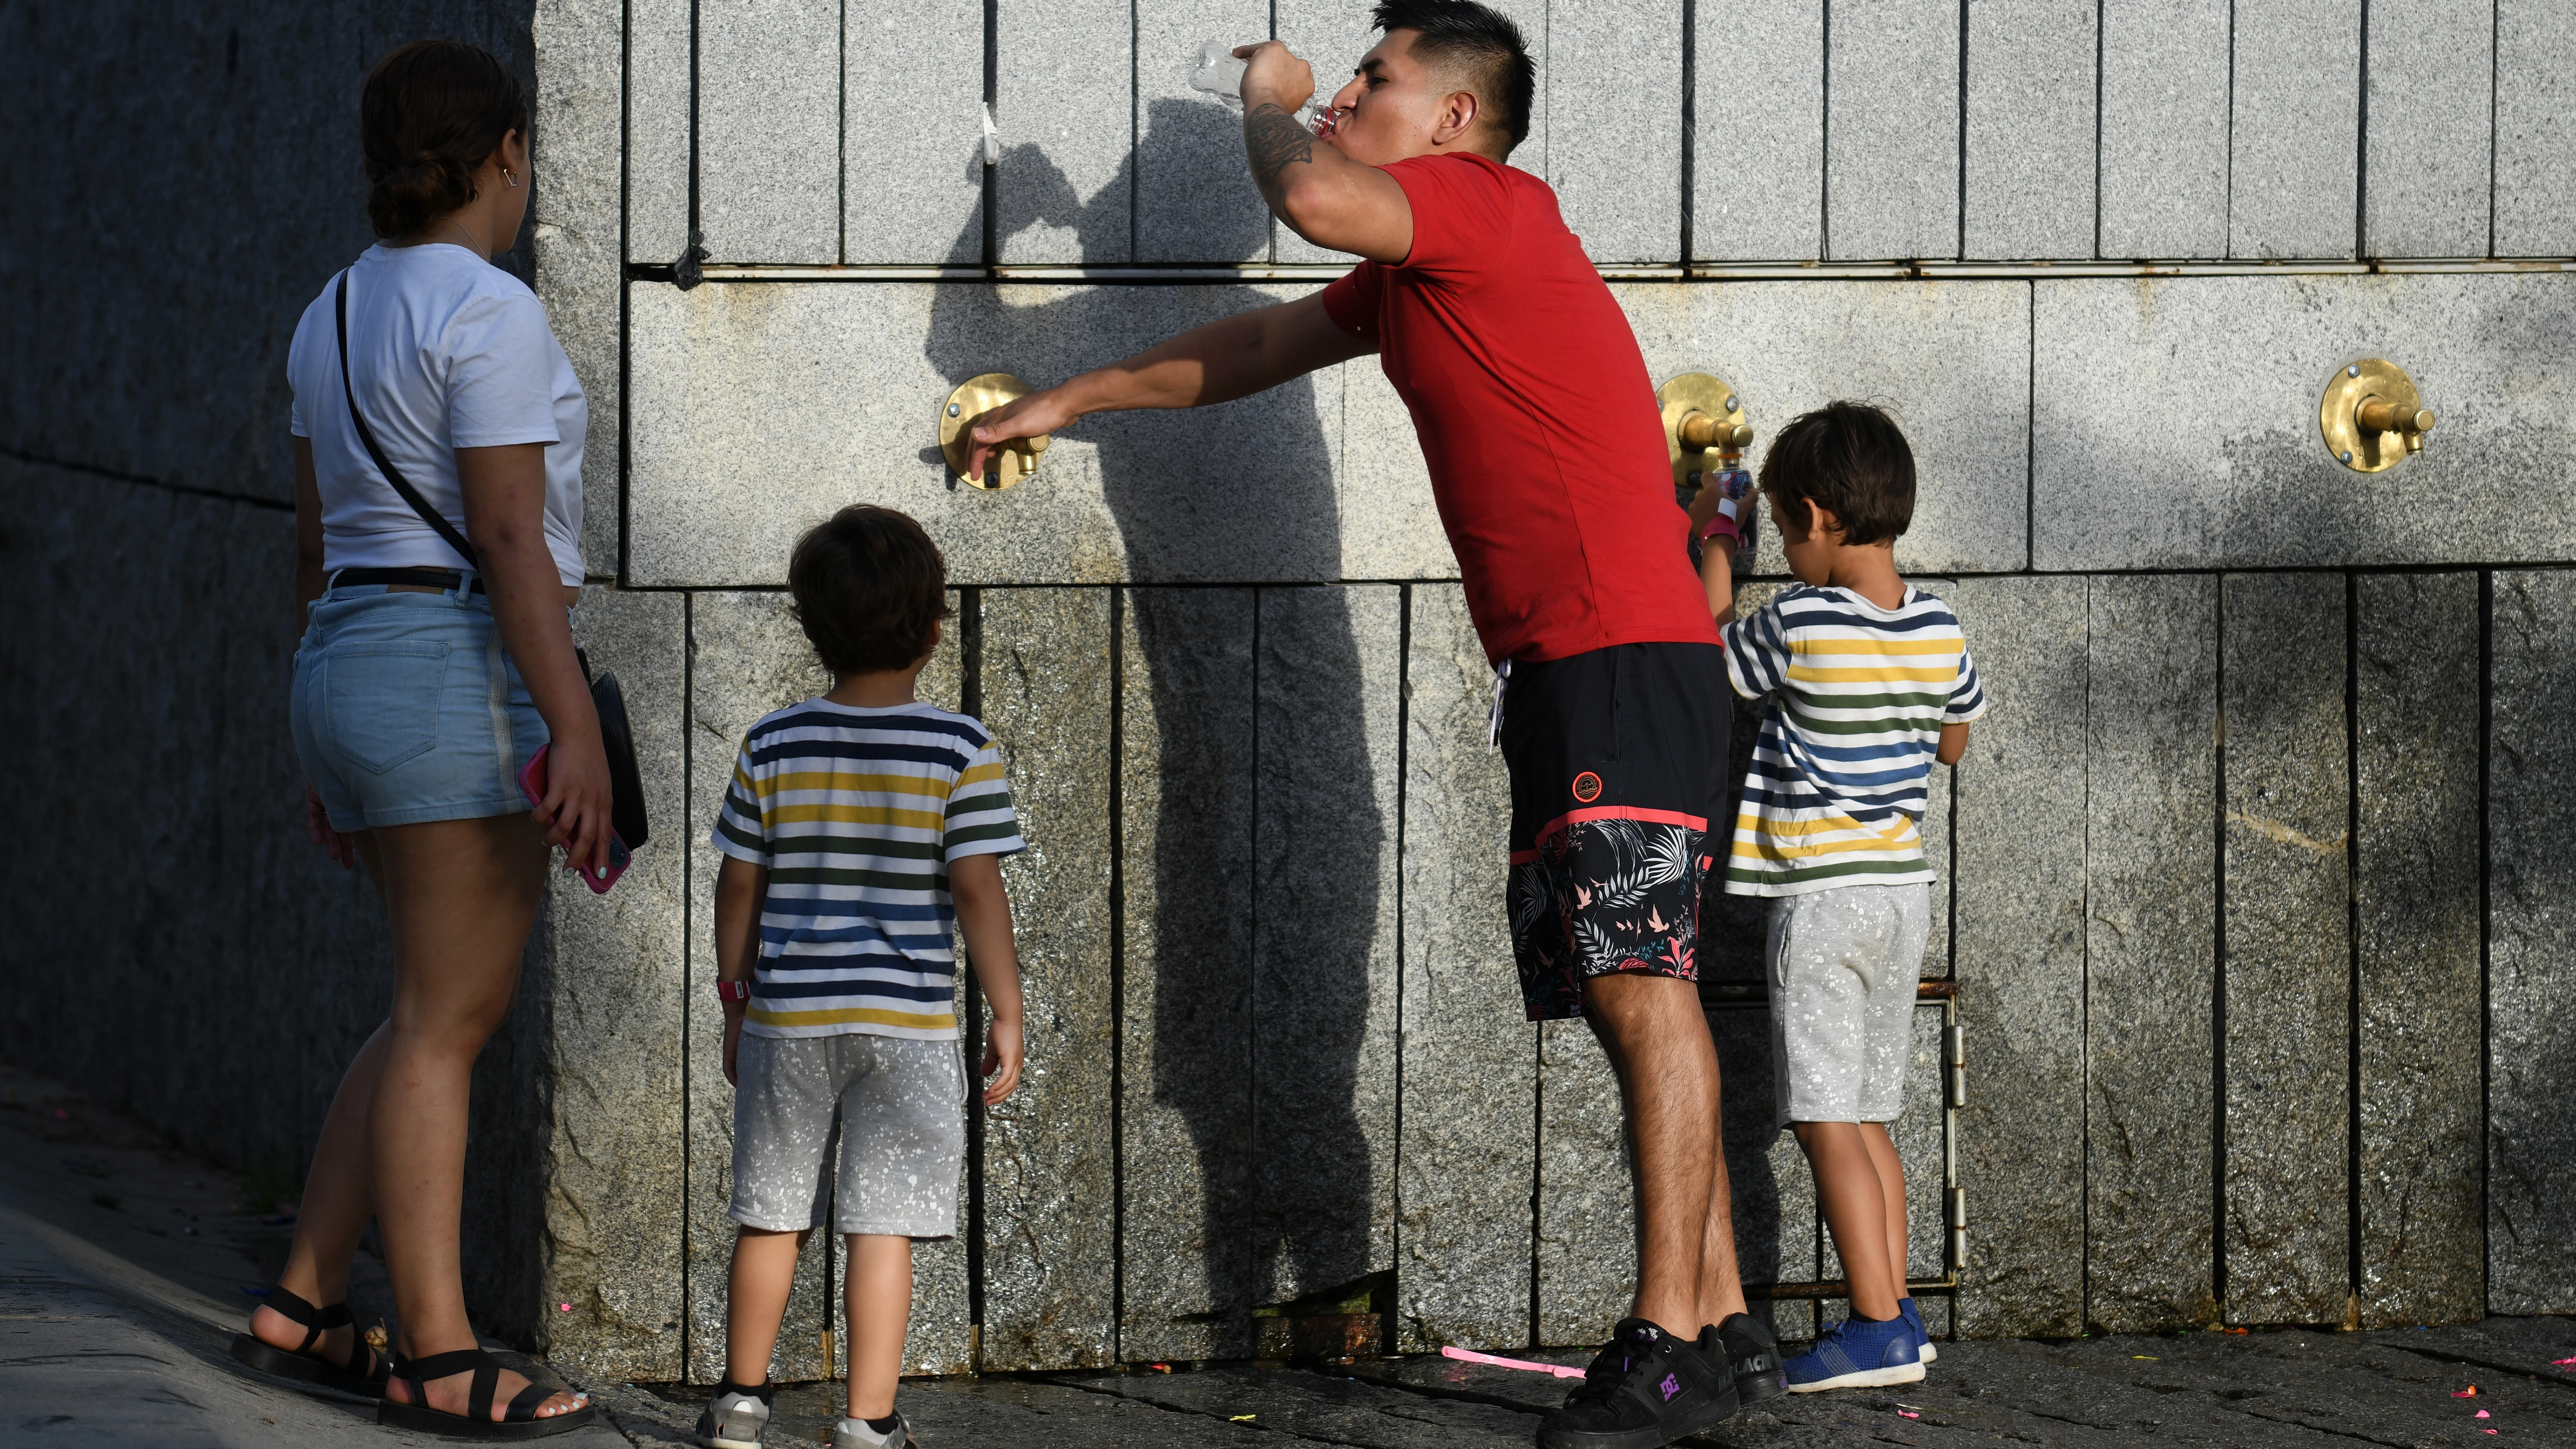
(384, 465)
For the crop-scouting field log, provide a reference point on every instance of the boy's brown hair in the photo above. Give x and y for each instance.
(1853, 461)
(869, 586)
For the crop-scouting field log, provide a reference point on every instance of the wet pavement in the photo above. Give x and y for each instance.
(2286, 1388)
(123, 1265)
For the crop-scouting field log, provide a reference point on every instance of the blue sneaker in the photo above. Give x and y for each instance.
(1923, 1348)
(1857, 1353)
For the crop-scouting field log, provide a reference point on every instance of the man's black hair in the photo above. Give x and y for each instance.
(1852, 459)
(1484, 47)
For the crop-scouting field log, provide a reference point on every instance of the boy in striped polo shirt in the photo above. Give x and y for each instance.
(1869, 682)
(863, 828)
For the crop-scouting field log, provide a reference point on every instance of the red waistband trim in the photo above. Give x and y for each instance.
(1619, 812)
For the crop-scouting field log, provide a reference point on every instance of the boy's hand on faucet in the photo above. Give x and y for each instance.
(1003, 1054)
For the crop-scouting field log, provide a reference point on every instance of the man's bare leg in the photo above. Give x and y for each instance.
(1658, 1044)
(1721, 1288)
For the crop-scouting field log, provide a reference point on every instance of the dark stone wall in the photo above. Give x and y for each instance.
(169, 938)
(183, 181)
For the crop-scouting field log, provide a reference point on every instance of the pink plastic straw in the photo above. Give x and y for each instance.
(1469, 1355)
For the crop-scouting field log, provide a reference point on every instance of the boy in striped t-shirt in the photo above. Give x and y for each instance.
(863, 828)
(1869, 682)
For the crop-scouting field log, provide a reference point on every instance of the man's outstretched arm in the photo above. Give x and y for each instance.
(1323, 195)
(1225, 360)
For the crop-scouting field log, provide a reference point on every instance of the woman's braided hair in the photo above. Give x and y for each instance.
(432, 112)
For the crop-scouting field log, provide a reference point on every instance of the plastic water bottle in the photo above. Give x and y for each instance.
(1220, 74)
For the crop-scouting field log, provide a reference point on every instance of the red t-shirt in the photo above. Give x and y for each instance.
(1531, 400)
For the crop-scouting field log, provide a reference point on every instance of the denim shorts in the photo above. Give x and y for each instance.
(406, 708)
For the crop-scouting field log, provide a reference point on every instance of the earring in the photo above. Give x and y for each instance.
(510, 176)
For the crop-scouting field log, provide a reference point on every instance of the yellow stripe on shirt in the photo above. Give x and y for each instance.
(1828, 825)
(1814, 674)
(855, 1016)
(855, 815)
(1771, 848)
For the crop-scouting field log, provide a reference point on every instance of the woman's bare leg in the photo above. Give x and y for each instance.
(338, 1199)
(461, 895)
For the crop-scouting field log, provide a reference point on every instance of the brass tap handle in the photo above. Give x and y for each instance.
(1699, 430)
(1016, 459)
(2379, 415)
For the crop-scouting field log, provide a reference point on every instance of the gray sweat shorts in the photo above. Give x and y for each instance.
(893, 1108)
(1843, 965)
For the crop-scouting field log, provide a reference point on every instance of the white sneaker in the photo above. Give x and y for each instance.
(734, 1420)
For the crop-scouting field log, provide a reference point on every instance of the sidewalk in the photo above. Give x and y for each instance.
(122, 1266)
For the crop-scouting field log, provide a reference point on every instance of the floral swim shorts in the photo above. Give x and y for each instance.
(1618, 761)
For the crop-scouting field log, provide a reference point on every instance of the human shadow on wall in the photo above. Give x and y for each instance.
(1260, 902)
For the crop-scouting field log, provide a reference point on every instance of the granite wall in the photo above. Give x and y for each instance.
(2249, 920)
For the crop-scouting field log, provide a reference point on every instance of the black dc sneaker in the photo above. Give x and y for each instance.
(1645, 1390)
(1747, 1347)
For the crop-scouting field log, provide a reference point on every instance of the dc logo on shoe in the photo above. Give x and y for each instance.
(1671, 1385)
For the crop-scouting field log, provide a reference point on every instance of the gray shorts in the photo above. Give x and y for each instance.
(1843, 965)
(894, 1106)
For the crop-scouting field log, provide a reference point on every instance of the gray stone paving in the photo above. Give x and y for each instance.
(122, 1265)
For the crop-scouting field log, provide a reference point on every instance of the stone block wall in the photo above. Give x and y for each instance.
(2249, 918)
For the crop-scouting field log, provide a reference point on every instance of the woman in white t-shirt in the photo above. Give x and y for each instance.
(428, 676)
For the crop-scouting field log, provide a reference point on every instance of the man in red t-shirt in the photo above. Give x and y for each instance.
(1546, 451)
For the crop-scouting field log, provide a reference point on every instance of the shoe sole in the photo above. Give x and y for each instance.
(305, 1375)
(1927, 1352)
(457, 1426)
(1755, 1388)
(1877, 1378)
(1654, 1436)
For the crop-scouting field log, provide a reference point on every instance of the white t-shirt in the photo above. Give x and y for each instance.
(447, 351)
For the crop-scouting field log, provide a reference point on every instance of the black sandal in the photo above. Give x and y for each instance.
(359, 1377)
(519, 1421)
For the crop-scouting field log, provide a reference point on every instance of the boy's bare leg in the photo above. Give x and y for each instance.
(1659, 1046)
(764, 1273)
(1855, 1208)
(877, 1302)
(1891, 1191)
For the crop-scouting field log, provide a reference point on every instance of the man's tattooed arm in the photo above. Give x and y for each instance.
(1274, 141)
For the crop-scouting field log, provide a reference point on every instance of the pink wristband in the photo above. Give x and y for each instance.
(1718, 523)
(733, 991)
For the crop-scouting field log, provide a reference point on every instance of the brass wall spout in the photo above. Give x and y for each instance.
(1702, 416)
(2371, 417)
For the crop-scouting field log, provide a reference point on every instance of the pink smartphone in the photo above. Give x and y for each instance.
(532, 783)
